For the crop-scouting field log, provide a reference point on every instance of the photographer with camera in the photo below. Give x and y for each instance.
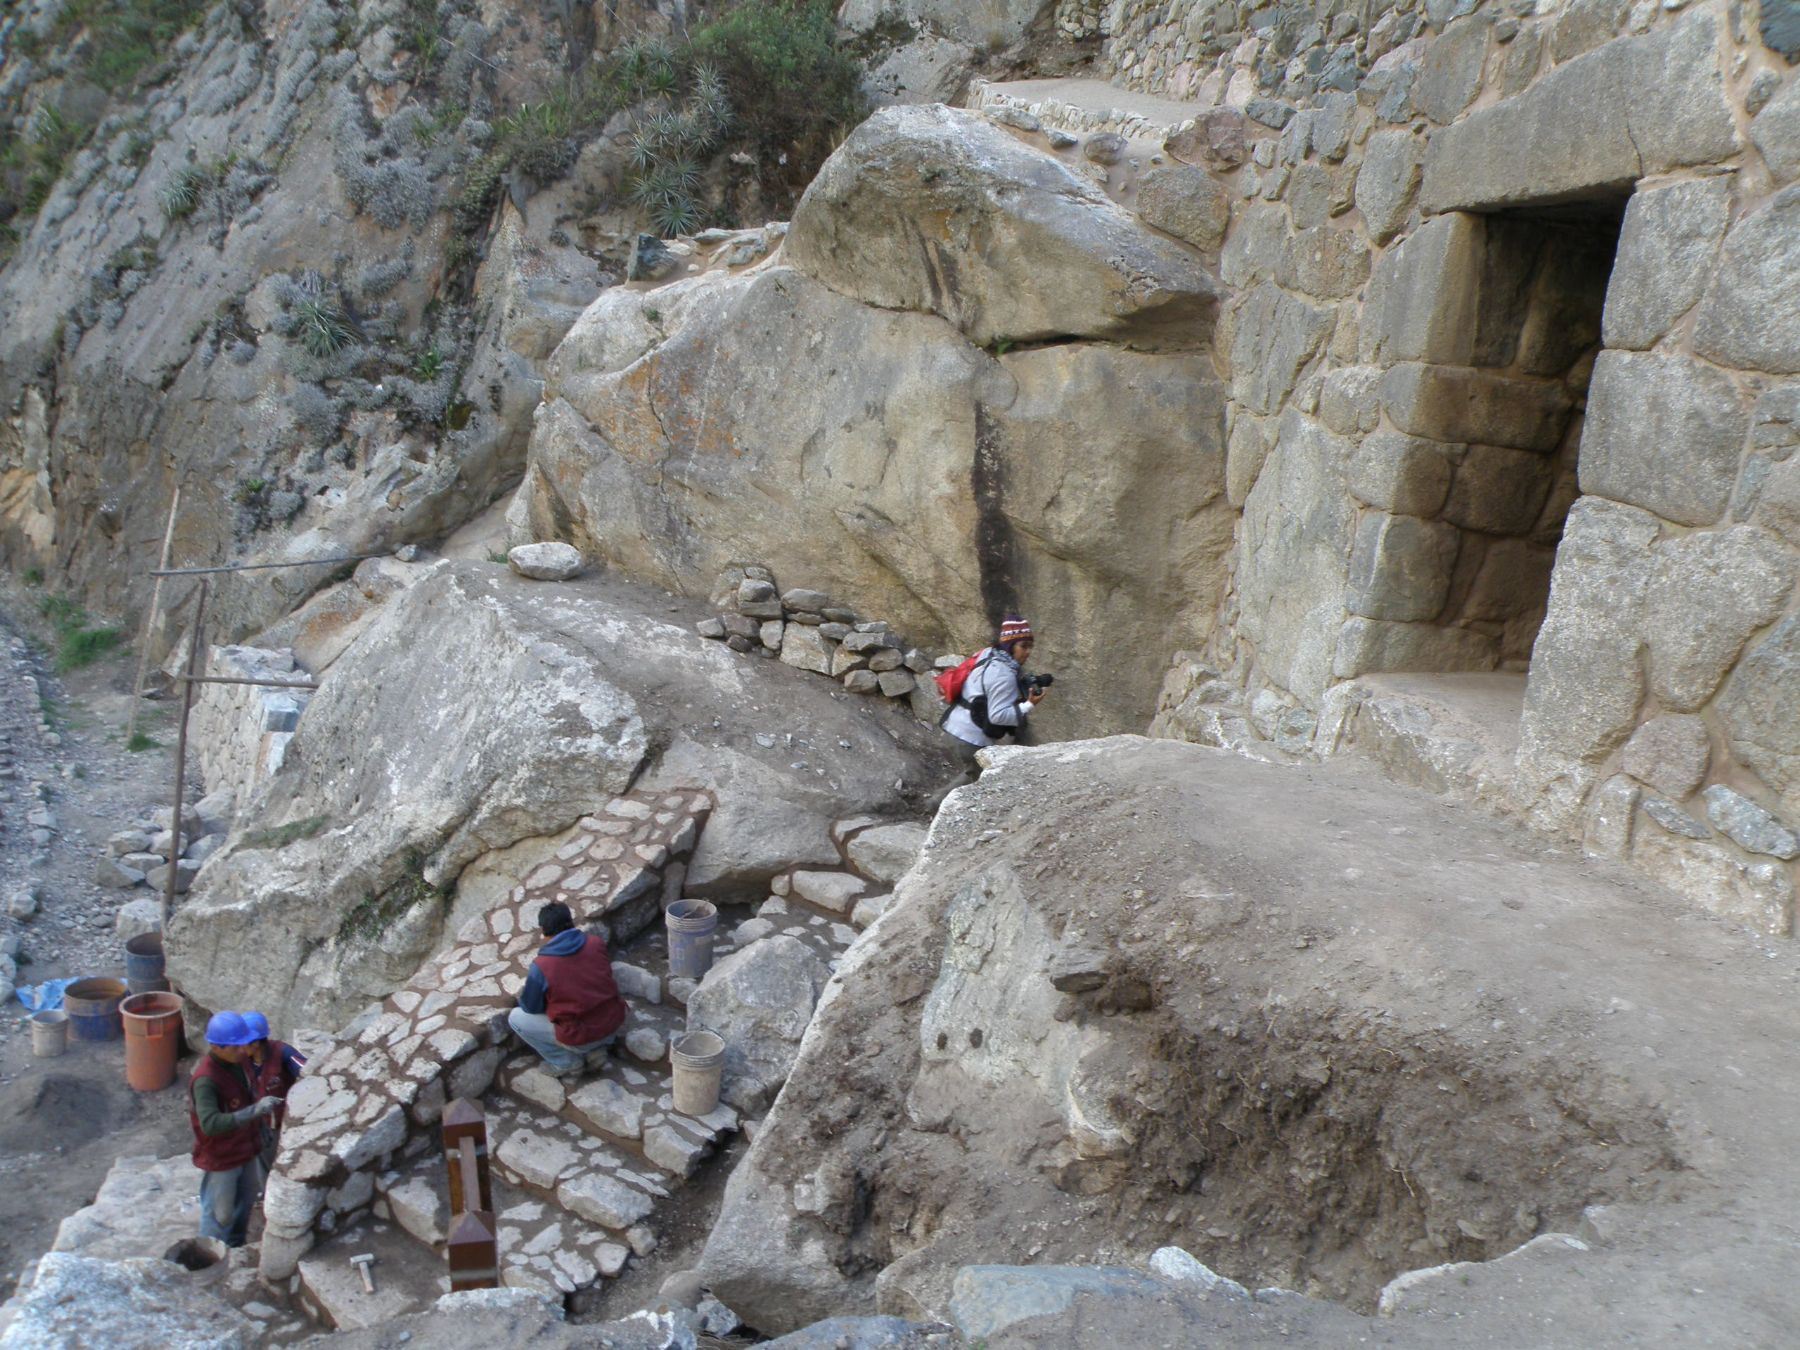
(994, 696)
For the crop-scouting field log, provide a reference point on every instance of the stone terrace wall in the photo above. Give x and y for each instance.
(378, 1095)
(242, 731)
(1432, 405)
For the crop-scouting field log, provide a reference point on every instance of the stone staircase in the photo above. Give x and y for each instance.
(586, 1169)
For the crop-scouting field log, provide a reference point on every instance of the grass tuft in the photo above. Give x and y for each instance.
(78, 643)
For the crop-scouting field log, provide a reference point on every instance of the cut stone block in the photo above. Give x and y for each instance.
(833, 891)
(610, 1107)
(604, 1200)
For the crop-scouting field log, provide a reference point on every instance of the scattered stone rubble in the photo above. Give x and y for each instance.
(140, 855)
(806, 629)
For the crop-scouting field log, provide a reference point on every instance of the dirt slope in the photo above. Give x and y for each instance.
(1313, 1027)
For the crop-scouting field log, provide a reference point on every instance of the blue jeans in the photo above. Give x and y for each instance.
(226, 1199)
(539, 1032)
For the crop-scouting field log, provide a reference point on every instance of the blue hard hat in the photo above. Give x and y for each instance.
(227, 1028)
(257, 1025)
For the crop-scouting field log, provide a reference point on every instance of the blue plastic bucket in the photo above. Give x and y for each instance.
(144, 960)
(93, 1008)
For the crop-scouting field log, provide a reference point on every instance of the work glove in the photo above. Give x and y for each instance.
(266, 1107)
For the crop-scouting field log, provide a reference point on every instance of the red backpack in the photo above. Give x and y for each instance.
(950, 682)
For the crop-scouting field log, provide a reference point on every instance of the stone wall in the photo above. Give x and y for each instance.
(1512, 353)
(241, 731)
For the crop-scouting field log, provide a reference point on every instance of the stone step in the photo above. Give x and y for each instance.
(628, 1108)
(1453, 734)
(409, 1276)
(542, 1246)
(828, 932)
(600, 1184)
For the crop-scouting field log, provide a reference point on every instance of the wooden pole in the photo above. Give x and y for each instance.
(195, 660)
(137, 685)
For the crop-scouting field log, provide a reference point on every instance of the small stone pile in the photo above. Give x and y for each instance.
(806, 629)
(141, 855)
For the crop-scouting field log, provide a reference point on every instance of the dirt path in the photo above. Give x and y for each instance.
(64, 1121)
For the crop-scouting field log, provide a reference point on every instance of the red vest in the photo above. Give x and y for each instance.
(272, 1078)
(582, 1001)
(234, 1148)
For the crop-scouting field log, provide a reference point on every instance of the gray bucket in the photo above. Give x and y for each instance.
(49, 1033)
(692, 925)
(698, 1060)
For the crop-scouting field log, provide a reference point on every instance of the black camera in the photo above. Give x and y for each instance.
(1033, 683)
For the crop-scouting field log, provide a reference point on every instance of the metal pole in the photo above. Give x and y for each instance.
(137, 685)
(262, 567)
(187, 706)
(234, 679)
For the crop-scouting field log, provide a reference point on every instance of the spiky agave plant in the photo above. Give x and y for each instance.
(320, 324)
(181, 194)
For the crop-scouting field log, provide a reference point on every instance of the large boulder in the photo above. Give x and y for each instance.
(145, 1207)
(935, 209)
(925, 482)
(479, 717)
(760, 1001)
(1238, 1051)
(139, 1304)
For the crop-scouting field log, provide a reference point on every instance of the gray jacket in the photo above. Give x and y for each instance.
(997, 676)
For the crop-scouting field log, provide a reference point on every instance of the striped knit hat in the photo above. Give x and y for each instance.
(1012, 628)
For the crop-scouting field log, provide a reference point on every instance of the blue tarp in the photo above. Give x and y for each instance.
(43, 997)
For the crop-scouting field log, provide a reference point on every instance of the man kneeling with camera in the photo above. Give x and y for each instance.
(996, 696)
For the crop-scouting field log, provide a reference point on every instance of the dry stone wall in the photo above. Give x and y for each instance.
(1512, 351)
(242, 730)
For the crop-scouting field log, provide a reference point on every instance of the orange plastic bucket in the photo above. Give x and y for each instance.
(152, 1039)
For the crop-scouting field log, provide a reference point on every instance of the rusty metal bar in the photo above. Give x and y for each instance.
(195, 661)
(234, 679)
(262, 567)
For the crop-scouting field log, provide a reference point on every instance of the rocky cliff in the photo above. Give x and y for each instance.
(971, 381)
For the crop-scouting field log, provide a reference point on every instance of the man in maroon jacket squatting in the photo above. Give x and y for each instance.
(569, 1006)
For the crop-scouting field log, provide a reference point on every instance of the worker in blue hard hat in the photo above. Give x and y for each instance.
(274, 1067)
(226, 1117)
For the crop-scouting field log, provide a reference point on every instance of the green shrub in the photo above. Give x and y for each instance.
(536, 138)
(792, 88)
(430, 363)
(78, 643)
(142, 740)
(280, 836)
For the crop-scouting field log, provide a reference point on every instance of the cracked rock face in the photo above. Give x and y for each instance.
(478, 717)
(931, 480)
